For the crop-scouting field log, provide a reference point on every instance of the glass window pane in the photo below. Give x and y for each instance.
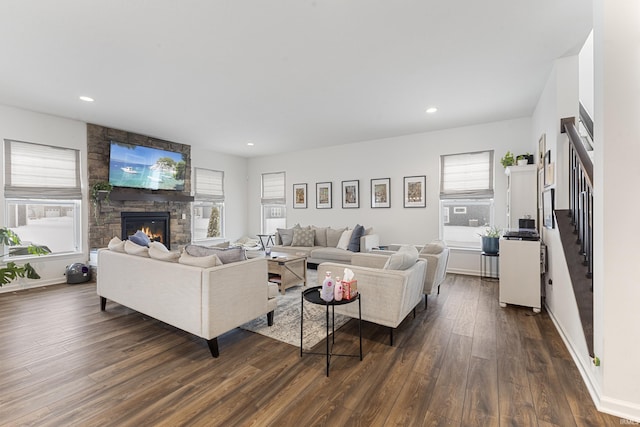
(50, 224)
(208, 220)
(464, 220)
(274, 217)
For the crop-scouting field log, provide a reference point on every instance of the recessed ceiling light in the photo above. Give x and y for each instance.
(431, 110)
(86, 98)
(250, 144)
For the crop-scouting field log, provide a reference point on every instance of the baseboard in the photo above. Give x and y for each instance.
(14, 287)
(466, 272)
(625, 410)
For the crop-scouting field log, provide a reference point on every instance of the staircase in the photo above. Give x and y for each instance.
(575, 224)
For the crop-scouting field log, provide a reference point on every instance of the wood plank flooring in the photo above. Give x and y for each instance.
(462, 362)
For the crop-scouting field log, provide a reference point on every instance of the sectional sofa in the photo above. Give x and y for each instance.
(325, 244)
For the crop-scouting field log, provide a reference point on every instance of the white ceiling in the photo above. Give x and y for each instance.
(284, 74)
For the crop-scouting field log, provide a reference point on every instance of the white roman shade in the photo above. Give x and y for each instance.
(36, 171)
(467, 175)
(209, 185)
(273, 188)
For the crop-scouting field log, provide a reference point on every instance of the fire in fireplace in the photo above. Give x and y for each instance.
(153, 224)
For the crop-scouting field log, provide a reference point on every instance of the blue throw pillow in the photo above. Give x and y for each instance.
(354, 243)
(140, 238)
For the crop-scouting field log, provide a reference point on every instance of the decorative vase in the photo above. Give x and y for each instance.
(523, 162)
(490, 245)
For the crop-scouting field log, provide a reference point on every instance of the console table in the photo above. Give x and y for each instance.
(312, 295)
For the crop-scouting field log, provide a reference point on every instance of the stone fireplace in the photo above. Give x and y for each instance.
(156, 225)
(108, 223)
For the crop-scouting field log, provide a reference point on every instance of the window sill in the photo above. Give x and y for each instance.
(31, 258)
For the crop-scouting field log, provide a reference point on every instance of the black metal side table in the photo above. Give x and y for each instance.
(312, 295)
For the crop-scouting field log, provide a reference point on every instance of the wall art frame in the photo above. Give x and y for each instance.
(300, 196)
(547, 208)
(415, 191)
(542, 150)
(324, 196)
(381, 193)
(351, 194)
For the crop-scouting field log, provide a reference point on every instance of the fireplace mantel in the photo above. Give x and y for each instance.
(121, 194)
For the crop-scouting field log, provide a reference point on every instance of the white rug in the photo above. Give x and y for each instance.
(286, 321)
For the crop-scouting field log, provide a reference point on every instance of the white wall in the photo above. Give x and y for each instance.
(27, 126)
(394, 158)
(235, 188)
(617, 132)
(585, 59)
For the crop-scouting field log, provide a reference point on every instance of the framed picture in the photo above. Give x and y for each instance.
(380, 193)
(547, 208)
(323, 195)
(351, 194)
(548, 169)
(300, 196)
(542, 150)
(414, 191)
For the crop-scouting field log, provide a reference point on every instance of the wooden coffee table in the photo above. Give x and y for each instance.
(287, 270)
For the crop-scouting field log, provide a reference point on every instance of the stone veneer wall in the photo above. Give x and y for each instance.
(108, 225)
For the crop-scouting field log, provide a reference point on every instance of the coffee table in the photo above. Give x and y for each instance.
(287, 270)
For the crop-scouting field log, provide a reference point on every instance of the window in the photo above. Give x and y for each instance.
(208, 205)
(466, 197)
(274, 213)
(43, 196)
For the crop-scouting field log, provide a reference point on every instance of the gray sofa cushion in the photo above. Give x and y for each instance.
(320, 236)
(339, 255)
(435, 247)
(224, 255)
(405, 258)
(333, 236)
(286, 236)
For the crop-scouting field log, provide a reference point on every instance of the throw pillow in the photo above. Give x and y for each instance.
(303, 237)
(224, 255)
(140, 238)
(405, 258)
(199, 261)
(135, 249)
(333, 236)
(286, 236)
(354, 242)
(156, 252)
(435, 247)
(320, 237)
(116, 244)
(158, 246)
(343, 243)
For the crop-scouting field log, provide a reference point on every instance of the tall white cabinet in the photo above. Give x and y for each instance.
(522, 198)
(520, 273)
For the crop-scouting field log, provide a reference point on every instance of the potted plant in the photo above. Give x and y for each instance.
(99, 192)
(12, 271)
(508, 159)
(522, 160)
(491, 240)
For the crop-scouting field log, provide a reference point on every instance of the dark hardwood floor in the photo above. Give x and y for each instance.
(462, 362)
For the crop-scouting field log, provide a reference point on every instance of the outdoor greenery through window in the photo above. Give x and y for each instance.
(208, 205)
(43, 196)
(466, 197)
(274, 213)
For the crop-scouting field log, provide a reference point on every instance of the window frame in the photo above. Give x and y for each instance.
(209, 192)
(271, 200)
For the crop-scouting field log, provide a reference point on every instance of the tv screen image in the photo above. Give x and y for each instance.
(136, 166)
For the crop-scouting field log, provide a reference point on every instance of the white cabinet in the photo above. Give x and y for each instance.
(520, 273)
(522, 200)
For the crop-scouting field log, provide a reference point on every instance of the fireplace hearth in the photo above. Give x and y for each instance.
(153, 224)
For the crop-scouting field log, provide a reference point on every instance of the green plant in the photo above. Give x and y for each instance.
(521, 157)
(493, 231)
(508, 159)
(12, 271)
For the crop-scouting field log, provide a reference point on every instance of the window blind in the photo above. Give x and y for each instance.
(37, 171)
(209, 185)
(273, 188)
(466, 175)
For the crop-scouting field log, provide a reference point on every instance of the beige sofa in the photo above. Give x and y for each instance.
(206, 302)
(436, 254)
(323, 247)
(388, 296)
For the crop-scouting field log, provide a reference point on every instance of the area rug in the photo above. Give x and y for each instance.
(286, 321)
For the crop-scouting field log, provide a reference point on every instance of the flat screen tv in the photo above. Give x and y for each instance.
(136, 166)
